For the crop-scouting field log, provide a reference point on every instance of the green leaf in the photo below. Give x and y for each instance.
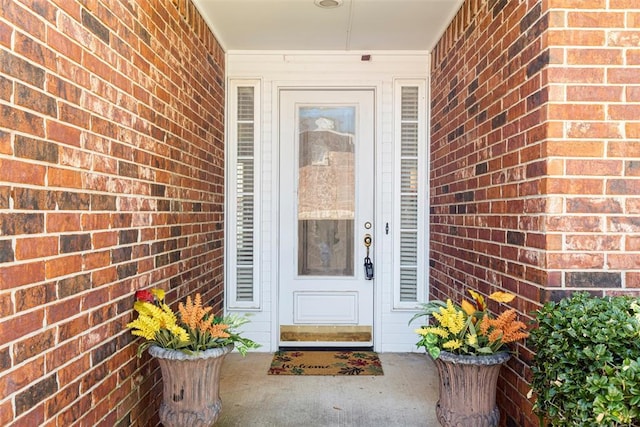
(586, 367)
(434, 352)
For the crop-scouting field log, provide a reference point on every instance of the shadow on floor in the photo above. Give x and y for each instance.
(405, 395)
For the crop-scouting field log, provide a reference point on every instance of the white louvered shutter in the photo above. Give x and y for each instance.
(409, 194)
(410, 122)
(242, 239)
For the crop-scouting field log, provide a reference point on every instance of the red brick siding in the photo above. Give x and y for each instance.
(111, 180)
(594, 181)
(487, 168)
(534, 167)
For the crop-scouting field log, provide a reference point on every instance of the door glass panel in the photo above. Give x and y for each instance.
(326, 190)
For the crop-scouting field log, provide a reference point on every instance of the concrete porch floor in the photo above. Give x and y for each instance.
(404, 396)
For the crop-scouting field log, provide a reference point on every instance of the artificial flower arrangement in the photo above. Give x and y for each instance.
(191, 330)
(469, 328)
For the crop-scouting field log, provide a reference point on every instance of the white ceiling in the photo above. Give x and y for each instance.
(357, 25)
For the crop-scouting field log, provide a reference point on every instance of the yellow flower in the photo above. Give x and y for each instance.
(450, 318)
(152, 318)
(158, 293)
(433, 330)
(452, 344)
(502, 296)
(144, 326)
(167, 316)
(180, 332)
(472, 339)
(422, 331)
(144, 308)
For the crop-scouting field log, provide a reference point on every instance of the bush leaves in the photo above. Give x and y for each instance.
(586, 370)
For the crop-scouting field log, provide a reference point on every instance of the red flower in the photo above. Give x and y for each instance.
(358, 362)
(144, 295)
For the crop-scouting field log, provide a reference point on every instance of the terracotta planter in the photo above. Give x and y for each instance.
(468, 389)
(190, 394)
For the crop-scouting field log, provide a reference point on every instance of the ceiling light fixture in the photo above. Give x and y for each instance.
(328, 4)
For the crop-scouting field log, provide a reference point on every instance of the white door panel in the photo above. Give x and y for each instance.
(326, 210)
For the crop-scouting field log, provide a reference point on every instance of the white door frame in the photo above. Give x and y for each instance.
(375, 87)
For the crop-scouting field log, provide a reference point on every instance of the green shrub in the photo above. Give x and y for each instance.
(586, 370)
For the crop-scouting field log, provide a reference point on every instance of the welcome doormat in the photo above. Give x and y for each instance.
(325, 363)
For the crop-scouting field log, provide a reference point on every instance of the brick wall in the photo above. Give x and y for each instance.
(535, 158)
(111, 180)
(593, 146)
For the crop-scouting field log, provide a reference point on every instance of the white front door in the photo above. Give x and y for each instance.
(325, 215)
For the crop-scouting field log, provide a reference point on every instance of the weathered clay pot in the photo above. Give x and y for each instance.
(190, 395)
(468, 389)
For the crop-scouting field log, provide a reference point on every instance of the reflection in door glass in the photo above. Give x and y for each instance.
(326, 190)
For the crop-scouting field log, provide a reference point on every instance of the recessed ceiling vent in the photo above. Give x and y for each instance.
(328, 4)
